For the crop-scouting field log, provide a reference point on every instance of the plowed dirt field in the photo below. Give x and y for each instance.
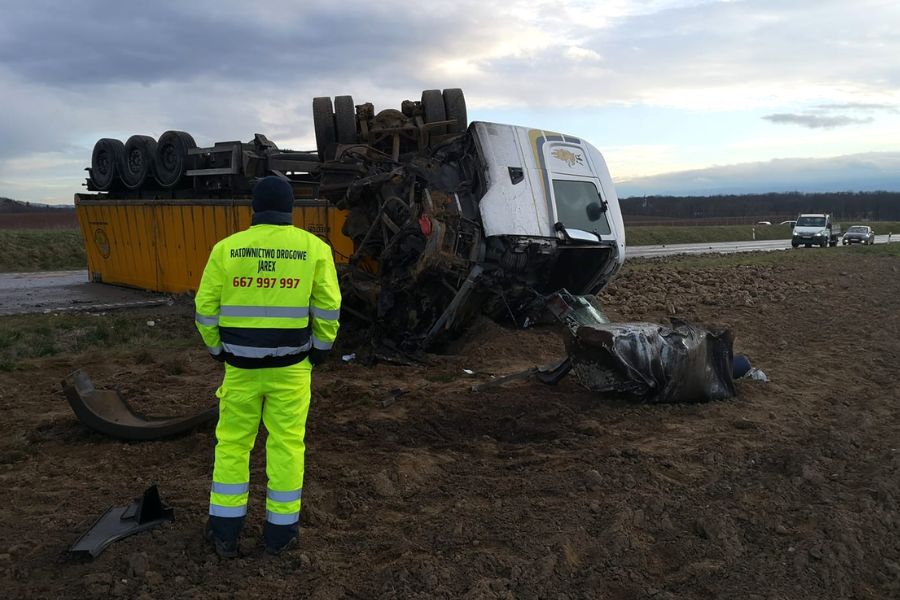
(417, 487)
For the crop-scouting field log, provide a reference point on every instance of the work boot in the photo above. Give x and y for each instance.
(223, 533)
(279, 538)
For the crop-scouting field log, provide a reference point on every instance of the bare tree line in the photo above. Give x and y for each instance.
(749, 208)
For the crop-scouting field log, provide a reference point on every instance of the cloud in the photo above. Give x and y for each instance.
(816, 121)
(577, 53)
(105, 41)
(225, 69)
(832, 115)
(861, 106)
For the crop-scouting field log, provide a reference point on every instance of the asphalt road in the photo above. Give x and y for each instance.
(722, 247)
(65, 291)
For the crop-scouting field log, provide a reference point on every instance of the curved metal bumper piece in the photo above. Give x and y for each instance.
(107, 412)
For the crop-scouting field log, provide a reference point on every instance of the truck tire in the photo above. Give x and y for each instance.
(433, 107)
(323, 123)
(171, 160)
(106, 162)
(455, 108)
(140, 152)
(345, 120)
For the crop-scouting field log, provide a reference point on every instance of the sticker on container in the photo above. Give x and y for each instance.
(102, 242)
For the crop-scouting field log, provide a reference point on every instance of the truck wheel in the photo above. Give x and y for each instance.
(455, 108)
(345, 120)
(106, 162)
(433, 107)
(140, 151)
(323, 123)
(171, 159)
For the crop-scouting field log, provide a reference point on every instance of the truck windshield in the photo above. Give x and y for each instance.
(811, 222)
(579, 206)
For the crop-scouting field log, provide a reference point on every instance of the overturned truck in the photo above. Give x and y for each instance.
(432, 219)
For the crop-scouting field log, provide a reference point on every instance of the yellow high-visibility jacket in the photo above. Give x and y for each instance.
(267, 296)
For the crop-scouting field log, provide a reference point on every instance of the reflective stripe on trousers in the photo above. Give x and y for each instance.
(241, 406)
(228, 499)
(283, 508)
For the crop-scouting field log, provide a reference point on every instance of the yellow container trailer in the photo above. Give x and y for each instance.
(163, 244)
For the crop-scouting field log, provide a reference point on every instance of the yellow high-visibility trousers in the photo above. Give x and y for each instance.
(280, 396)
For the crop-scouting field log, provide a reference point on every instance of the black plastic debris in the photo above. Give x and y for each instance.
(652, 362)
(681, 363)
(146, 512)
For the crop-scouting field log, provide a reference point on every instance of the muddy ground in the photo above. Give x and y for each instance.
(418, 488)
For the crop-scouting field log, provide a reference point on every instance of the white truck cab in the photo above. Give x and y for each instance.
(549, 206)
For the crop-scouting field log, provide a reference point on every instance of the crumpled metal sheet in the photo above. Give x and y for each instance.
(681, 363)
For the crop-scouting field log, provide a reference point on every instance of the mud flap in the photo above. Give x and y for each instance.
(107, 412)
(119, 522)
(681, 363)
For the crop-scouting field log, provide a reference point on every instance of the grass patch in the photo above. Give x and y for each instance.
(654, 235)
(25, 337)
(798, 256)
(23, 250)
(892, 249)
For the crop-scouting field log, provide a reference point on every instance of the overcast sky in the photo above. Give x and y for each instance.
(699, 87)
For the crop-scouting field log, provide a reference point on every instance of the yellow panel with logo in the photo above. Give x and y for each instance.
(162, 245)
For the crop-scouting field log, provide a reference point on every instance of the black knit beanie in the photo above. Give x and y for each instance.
(273, 194)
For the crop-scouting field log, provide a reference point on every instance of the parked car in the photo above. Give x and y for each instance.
(859, 234)
(789, 223)
(764, 222)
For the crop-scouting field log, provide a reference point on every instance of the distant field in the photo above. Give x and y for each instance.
(58, 219)
(651, 235)
(23, 250)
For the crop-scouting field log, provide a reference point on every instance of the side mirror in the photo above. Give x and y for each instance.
(595, 211)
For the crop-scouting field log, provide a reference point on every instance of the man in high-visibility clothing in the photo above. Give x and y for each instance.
(268, 307)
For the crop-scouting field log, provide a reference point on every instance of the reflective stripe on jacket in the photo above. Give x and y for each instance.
(267, 296)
